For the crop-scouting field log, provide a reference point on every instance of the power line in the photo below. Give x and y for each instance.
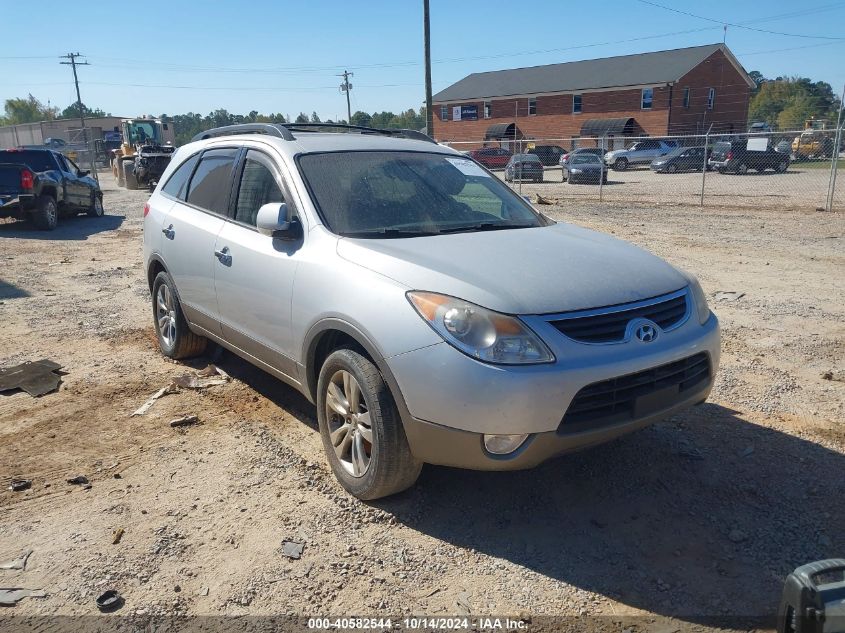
(738, 25)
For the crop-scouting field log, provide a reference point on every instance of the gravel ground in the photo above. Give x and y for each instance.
(698, 517)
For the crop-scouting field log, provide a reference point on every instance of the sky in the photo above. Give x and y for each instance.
(176, 57)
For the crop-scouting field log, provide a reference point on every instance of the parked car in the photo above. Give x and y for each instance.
(598, 151)
(734, 156)
(491, 157)
(759, 127)
(681, 159)
(430, 313)
(549, 154)
(524, 167)
(41, 185)
(584, 167)
(639, 153)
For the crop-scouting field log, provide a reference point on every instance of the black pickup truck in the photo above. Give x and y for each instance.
(41, 185)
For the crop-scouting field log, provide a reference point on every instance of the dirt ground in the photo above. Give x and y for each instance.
(700, 516)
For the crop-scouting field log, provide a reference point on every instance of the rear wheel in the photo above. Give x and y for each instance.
(129, 175)
(742, 168)
(175, 338)
(46, 214)
(620, 164)
(362, 433)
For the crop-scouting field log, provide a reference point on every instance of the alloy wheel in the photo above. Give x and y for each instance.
(166, 315)
(350, 426)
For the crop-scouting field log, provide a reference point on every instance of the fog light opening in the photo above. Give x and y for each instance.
(503, 444)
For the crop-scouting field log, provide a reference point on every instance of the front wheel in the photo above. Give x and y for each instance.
(620, 164)
(782, 167)
(362, 432)
(95, 210)
(671, 169)
(175, 338)
(129, 175)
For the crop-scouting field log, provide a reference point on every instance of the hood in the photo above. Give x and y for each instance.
(550, 269)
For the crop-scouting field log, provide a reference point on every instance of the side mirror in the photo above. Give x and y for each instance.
(274, 219)
(83, 172)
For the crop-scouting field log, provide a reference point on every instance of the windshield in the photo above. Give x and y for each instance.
(142, 131)
(583, 159)
(399, 194)
(36, 160)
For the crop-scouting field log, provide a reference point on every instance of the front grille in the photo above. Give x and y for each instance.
(609, 326)
(635, 396)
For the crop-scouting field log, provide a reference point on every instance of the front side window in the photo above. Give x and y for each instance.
(711, 98)
(258, 186)
(488, 109)
(444, 113)
(647, 98)
(211, 182)
(532, 105)
(382, 194)
(576, 104)
(176, 184)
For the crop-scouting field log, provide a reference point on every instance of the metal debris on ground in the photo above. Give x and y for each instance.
(109, 601)
(292, 549)
(185, 420)
(36, 378)
(19, 485)
(211, 376)
(9, 597)
(18, 563)
(79, 480)
(117, 535)
(728, 295)
(538, 199)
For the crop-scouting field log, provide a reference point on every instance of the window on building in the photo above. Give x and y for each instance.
(576, 104)
(686, 97)
(532, 105)
(488, 109)
(711, 98)
(444, 113)
(647, 98)
(258, 187)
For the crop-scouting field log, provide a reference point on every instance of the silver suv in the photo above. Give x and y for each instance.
(429, 312)
(639, 153)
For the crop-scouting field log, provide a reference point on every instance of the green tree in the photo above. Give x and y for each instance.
(788, 101)
(301, 118)
(72, 112)
(361, 118)
(26, 110)
(315, 118)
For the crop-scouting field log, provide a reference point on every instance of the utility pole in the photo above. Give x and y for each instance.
(834, 160)
(73, 64)
(429, 108)
(346, 87)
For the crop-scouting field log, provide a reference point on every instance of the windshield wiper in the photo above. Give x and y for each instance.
(486, 226)
(389, 232)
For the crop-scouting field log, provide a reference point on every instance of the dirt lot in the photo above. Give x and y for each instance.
(697, 517)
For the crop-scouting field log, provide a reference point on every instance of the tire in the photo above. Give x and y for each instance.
(390, 466)
(760, 170)
(129, 175)
(46, 214)
(671, 169)
(175, 339)
(782, 167)
(540, 179)
(620, 164)
(118, 169)
(742, 168)
(96, 208)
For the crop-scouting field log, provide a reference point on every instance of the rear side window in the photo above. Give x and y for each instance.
(258, 187)
(178, 180)
(210, 185)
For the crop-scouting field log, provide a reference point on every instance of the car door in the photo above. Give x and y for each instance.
(81, 189)
(191, 228)
(70, 180)
(255, 280)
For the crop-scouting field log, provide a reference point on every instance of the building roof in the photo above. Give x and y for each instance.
(608, 72)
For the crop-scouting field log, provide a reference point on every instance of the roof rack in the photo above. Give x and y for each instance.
(283, 130)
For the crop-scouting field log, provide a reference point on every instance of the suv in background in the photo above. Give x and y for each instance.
(430, 313)
(739, 156)
(491, 157)
(639, 153)
(549, 155)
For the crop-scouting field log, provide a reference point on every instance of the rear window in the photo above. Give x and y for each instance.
(35, 160)
(176, 183)
(721, 148)
(211, 183)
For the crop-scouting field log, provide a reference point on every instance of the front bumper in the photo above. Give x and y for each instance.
(452, 399)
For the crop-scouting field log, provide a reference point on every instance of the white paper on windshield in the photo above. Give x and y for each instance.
(468, 167)
(757, 144)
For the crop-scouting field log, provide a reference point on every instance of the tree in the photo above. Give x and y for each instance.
(72, 112)
(315, 118)
(301, 118)
(788, 101)
(361, 118)
(28, 110)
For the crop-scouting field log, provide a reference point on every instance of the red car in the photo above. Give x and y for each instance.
(491, 157)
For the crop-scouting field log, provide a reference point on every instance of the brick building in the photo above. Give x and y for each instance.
(681, 91)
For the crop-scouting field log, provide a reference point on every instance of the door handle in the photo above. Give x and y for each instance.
(169, 233)
(223, 256)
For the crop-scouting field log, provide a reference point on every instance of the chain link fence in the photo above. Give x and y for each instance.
(786, 169)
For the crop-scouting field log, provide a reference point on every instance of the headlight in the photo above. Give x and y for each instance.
(488, 336)
(575, 171)
(700, 299)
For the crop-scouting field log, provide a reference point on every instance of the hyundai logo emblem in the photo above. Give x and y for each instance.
(646, 332)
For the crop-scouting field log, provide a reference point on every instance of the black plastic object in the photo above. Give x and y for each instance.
(109, 601)
(814, 599)
(283, 130)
